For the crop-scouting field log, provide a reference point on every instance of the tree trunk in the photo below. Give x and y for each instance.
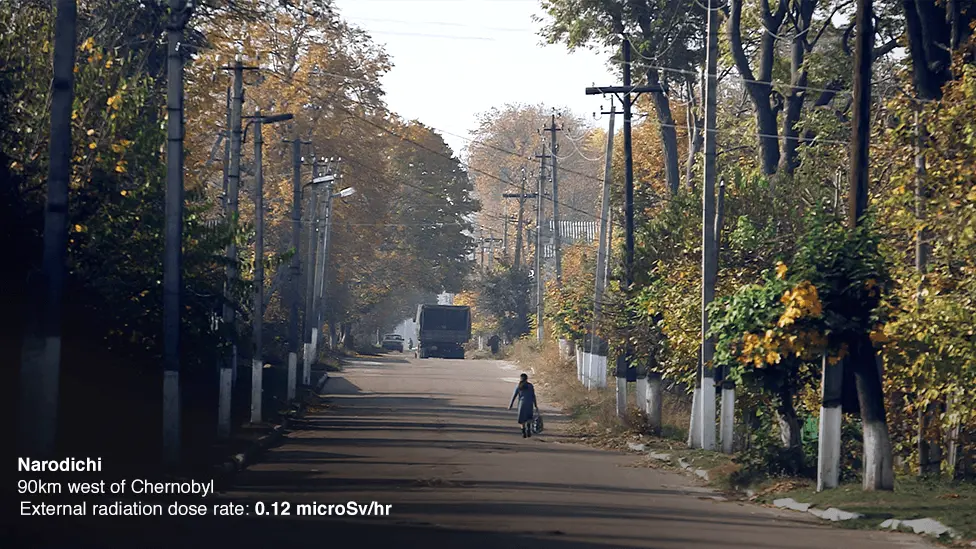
(759, 87)
(797, 93)
(669, 135)
(789, 424)
(878, 463)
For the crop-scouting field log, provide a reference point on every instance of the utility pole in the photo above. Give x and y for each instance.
(539, 250)
(225, 384)
(481, 247)
(521, 196)
(491, 249)
(257, 359)
(553, 147)
(322, 273)
(41, 362)
(257, 322)
(296, 230)
(594, 355)
(311, 260)
(624, 94)
(229, 367)
(173, 248)
(706, 438)
(505, 234)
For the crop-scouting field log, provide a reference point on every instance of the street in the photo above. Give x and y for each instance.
(433, 440)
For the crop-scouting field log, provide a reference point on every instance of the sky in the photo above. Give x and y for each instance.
(454, 59)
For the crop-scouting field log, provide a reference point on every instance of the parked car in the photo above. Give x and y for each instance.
(393, 342)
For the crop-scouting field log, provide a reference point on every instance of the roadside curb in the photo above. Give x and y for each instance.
(240, 461)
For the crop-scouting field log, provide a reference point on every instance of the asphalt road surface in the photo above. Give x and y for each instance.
(433, 440)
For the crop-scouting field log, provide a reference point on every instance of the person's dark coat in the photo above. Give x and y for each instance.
(526, 405)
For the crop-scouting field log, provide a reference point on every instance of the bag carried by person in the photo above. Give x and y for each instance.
(537, 424)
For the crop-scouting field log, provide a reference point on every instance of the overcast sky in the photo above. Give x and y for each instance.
(455, 58)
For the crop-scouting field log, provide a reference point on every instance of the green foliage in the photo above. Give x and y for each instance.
(504, 295)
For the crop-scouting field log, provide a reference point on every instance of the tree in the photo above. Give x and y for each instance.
(669, 46)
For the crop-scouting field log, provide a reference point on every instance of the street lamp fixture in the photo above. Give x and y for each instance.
(345, 193)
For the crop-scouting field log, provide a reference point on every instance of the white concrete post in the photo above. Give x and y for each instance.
(621, 397)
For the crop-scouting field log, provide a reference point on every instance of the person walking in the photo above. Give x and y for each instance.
(525, 393)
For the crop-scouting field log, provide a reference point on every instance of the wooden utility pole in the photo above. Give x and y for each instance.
(878, 467)
(41, 355)
(625, 95)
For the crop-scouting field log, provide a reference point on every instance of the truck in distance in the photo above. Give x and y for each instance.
(442, 330)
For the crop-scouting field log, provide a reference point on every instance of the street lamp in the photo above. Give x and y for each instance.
(257, 359)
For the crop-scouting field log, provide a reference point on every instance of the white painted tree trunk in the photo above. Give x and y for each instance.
(292, 375)
(655, 402)
(728, 418)
(694, 440)
(565, 349)
(223, 407)
(642, 394)
(580, 364)
(621, 397)
(315, 345)
(257, 372)
(877, 451)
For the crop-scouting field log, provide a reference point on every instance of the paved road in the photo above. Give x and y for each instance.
(433, 439)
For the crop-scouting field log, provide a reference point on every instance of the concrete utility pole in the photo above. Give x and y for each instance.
(225, 384)
(322, 285)
(482, 247)
(556, 241)
(539, 250)
(296, 231)
(706, 436)
(595, 361)
(521, 196)
(310, 261)
(173, 248)
(41, 355)
(233, 196)
(625, 91)
(257, 359)
(257, 323)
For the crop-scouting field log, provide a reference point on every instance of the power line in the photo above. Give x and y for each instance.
(424, 147)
